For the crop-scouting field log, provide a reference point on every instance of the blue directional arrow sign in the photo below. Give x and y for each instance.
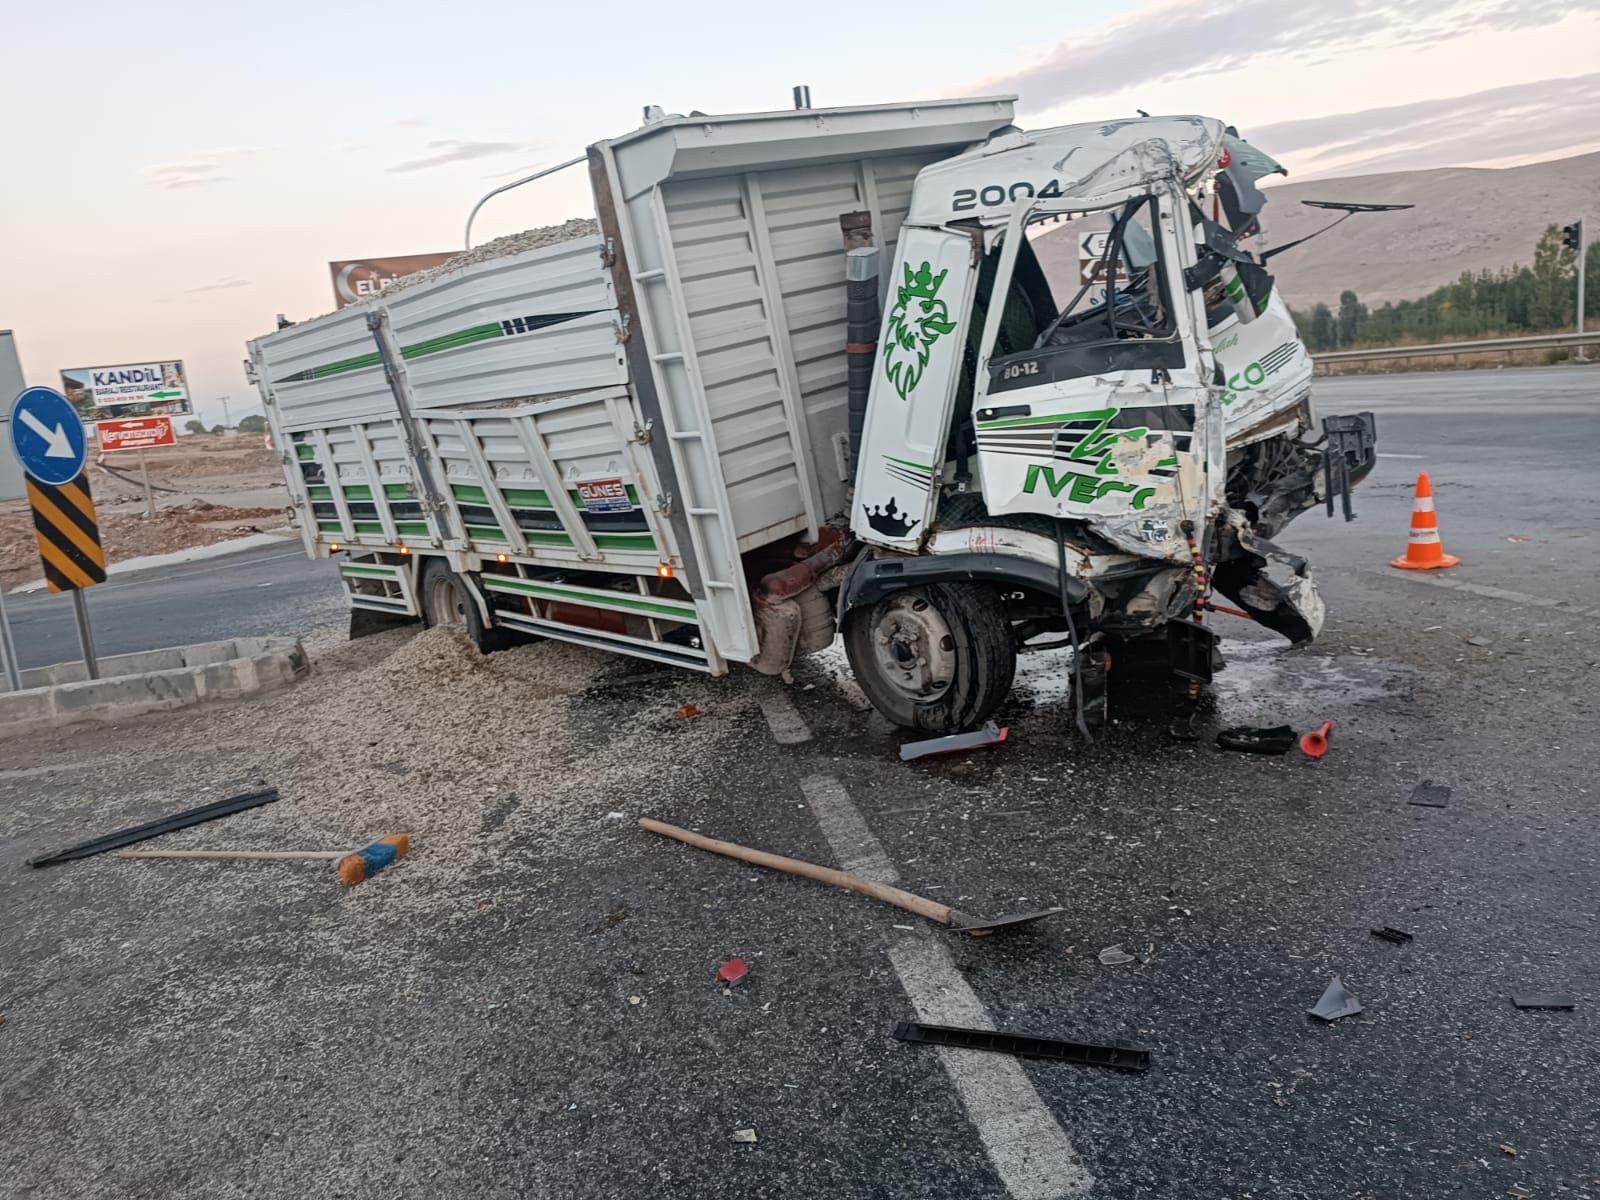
(48, 436)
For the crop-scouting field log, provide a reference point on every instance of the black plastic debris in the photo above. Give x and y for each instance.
(1389, 934)
(1549, 1000)
(1336, 1002)
(990, 735)
(1429, 794)
(1122, 1056)
(140, 833)
(1276, 739)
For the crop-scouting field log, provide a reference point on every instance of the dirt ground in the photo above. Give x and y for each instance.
(208, 488)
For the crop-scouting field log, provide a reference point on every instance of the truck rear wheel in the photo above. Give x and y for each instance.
(937, 658)
(447, 603)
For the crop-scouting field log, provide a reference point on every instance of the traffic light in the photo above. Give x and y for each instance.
(1572, 235)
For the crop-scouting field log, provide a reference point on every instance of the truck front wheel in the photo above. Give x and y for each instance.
(938, 658)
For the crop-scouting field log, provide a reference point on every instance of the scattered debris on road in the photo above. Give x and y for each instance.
(1336, 1002)
(732, 971)
(990, 735)
(1544, 1000)
(1508, 1149)
(1122, 1056)
(1429, 794)
(687, 711)
(140, 833)
(1389, 934)
(1247, 739)
(944, 914)
(744, 1135)
(1480, 641)
(354, 866)
(1314, 744)
(1115, 956)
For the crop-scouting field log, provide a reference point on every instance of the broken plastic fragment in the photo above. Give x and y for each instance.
(732, 971)
(1429, 794)
(990, 735)
(744, 1135)
(1390, 934)
(1275, 739)
(1336, 1002)
(685, 711)
(1115, 956)
(1543, 1000)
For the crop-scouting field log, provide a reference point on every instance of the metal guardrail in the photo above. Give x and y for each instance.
(1541, 341)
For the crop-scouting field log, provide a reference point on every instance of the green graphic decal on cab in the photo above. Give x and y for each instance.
(917, 320)
(1255, 374)
(1089, 442)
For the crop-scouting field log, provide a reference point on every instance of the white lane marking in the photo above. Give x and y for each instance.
(1383, 454)
(1030, 1150)
(1495, 593)
(788, 726)
(842, 824)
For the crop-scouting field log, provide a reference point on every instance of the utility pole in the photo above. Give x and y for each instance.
(1573, 236)
(227, 421)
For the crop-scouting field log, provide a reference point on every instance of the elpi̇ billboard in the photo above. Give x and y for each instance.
(363, 278)
(145, 389)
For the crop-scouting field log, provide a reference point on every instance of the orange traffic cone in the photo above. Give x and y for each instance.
(1423, 549)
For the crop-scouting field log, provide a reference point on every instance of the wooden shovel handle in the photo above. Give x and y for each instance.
(878, 891)
(274, 855)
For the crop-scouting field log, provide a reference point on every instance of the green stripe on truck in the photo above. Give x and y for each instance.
(594, 598)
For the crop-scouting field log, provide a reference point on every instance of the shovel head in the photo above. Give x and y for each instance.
(979, 926)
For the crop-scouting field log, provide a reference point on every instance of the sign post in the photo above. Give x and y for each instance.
(8, 648)
(135, 433)
(50, 443)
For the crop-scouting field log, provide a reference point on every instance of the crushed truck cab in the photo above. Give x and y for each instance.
(903, 370)
(1091, 444)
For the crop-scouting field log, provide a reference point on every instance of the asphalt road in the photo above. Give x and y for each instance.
(550, 1029)
(260, 591)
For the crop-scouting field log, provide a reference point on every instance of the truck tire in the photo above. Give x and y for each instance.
(446, 603)
(937, 658)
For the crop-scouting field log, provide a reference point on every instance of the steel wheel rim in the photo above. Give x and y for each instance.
(913, 648)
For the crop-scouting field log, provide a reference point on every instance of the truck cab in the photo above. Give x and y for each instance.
(1057, 446)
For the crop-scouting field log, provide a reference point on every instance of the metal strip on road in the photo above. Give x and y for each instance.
(1030, 1150)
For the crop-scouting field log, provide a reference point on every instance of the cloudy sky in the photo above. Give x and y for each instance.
(178, 173)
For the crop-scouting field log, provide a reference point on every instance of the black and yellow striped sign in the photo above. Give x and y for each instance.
(68, 533)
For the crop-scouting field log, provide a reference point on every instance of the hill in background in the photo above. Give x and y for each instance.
(1466, 219)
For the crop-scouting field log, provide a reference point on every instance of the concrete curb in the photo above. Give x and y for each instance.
(151, 681)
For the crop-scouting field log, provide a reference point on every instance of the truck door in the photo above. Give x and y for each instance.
(1104, 417)
(920, 352)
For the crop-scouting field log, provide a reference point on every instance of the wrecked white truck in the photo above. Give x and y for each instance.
(838, 369)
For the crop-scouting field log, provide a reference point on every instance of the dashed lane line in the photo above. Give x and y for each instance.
(787, 725)
(1492, 593)
(1031, 1152)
